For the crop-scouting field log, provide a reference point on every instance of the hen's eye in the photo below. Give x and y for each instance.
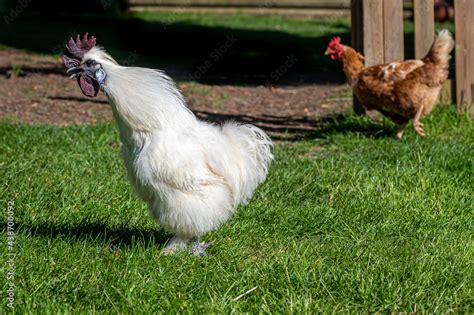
(90, 63)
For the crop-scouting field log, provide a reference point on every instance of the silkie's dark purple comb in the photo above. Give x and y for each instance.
(75, 50)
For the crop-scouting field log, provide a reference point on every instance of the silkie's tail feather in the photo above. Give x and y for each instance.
(256, 155)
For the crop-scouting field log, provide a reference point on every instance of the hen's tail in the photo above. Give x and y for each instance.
(440, 50)
(254, 150)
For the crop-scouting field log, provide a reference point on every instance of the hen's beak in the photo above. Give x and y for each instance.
(326, 52)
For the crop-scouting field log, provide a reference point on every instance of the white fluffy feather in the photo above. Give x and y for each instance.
(191, 173)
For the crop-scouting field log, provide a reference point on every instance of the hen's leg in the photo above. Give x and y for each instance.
(417, 124)
(400, 131)
(198, 248)
(174, 244)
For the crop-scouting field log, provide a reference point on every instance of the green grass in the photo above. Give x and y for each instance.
(306, 27)
(350, 219)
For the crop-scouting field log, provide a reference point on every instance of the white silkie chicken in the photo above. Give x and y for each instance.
(191, 173)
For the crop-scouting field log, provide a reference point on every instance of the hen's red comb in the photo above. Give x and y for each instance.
(335, 41)
(79, 47)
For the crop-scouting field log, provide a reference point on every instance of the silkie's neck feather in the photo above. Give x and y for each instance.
(144, 100)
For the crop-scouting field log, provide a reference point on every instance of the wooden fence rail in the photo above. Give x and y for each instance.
(464, 21)
(377, 32)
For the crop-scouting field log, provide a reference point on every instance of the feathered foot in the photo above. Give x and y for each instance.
(198, 248)
(174, 244)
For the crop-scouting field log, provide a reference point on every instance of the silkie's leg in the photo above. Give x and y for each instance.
(174, 244)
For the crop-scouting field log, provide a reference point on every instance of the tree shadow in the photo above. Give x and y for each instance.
(122, 237)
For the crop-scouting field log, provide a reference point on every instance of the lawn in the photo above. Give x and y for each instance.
(349, 219)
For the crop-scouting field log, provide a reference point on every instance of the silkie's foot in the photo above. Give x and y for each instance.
(175, 244)
(198, 248)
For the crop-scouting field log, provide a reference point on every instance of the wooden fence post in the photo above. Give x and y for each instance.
(356, 25)
(393, 30)
(372, 13)
(471, 57)
(423, 11)
(464, 19)
(357, 38)
(424, 26)
(377, 30)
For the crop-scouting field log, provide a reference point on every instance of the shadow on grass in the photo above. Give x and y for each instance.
(117, 237)
(291, 128)
(351, 124)
(269, 123)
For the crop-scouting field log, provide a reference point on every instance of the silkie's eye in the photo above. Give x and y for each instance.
(90, 63)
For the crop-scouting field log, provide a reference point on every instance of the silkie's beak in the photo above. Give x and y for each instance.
(75, 72)
(85, 78)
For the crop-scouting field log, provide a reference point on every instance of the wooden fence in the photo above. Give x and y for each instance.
(377, 32)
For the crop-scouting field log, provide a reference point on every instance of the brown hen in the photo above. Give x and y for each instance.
(399, 90)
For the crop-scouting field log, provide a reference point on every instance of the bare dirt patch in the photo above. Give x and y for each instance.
(35, 89)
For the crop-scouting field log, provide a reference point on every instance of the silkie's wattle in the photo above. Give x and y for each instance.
(89, 86)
